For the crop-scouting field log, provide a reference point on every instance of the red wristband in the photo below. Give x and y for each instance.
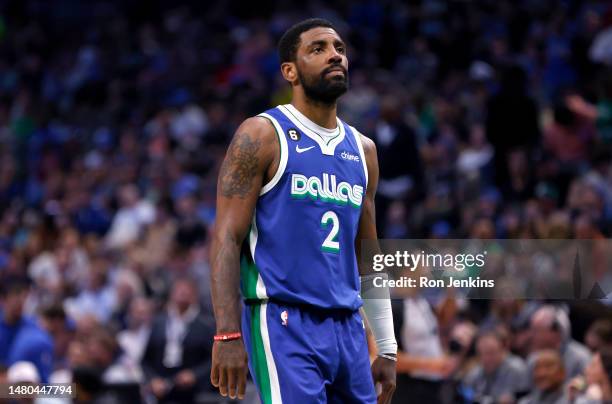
(230, 336)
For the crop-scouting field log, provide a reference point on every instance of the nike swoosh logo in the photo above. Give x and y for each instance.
(297, 149)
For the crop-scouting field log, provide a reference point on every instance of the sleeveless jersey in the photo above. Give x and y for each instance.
(301, 245)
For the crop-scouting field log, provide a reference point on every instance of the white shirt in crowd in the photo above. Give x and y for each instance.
(128, 222)
(176, 330)
(420, 335)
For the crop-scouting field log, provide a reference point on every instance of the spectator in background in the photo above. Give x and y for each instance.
(474, 162)
(599, 335)
(520, 331)
(401, 178)
(567, 142)
(157, 243)
(133, 340)
(461, 348)
(548, 379)
(176, 361)
(504, 311)
(422, 364)
(550, 329)
(462, 345)
(498, 375)
(21, 338)
(511, 122)
(603, 373)
(128, 286)
(99, 298)
(521, 183)
(567, 138)
(74, 262)
(53, 319)
(133, 214)
(96, 364)
(105, 355)
(600, 113)
(191, 231)
(596, 385)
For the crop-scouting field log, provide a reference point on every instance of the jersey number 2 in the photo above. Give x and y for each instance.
(331, 243)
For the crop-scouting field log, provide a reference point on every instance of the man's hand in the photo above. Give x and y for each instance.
(229, 368)
(383, 372)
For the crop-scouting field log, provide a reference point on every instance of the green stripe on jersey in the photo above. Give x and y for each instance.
(249, 274)
(260, 365)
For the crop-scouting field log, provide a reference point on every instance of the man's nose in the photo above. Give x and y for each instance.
(335, 57)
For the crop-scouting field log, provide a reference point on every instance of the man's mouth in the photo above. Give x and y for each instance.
(334, 69)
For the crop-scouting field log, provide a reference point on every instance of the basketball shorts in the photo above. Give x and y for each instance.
(300, 355)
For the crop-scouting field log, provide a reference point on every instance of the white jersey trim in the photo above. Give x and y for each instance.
(361, 152)
(310, 129)
(272, 372)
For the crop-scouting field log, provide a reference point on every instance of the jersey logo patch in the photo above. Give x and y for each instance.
(300, 150)
(293, 134)
(350, 157)
(284, 317)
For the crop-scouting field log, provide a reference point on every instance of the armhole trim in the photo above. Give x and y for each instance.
(357, 136)
(282, 164)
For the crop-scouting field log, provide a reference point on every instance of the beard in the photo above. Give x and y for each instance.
(322, 89)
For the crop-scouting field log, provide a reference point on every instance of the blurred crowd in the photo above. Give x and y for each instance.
(517, 351)
(492, 119)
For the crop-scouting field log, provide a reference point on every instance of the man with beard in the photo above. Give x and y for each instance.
(295, 197)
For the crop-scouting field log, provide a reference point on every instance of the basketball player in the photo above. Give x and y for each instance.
(295, 199)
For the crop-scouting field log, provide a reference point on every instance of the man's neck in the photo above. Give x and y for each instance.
(322, 114)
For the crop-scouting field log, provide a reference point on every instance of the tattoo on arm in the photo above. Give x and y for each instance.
(240, 167)
(225, 283)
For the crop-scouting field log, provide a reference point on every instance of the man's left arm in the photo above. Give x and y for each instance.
(376, 306)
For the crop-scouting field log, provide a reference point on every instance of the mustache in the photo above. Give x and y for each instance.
(336, 66)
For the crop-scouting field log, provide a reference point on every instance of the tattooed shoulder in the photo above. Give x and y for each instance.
(239, 168)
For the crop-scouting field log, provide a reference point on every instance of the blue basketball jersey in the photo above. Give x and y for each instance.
(301, 245)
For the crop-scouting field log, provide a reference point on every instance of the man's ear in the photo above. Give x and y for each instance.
(289, 71)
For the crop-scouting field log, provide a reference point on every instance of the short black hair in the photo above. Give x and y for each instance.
(54, 312)
(290, 41)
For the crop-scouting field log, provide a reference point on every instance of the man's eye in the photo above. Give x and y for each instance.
(317, 50)
(340, 49)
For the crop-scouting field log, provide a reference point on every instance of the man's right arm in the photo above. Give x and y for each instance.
(251, 155)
